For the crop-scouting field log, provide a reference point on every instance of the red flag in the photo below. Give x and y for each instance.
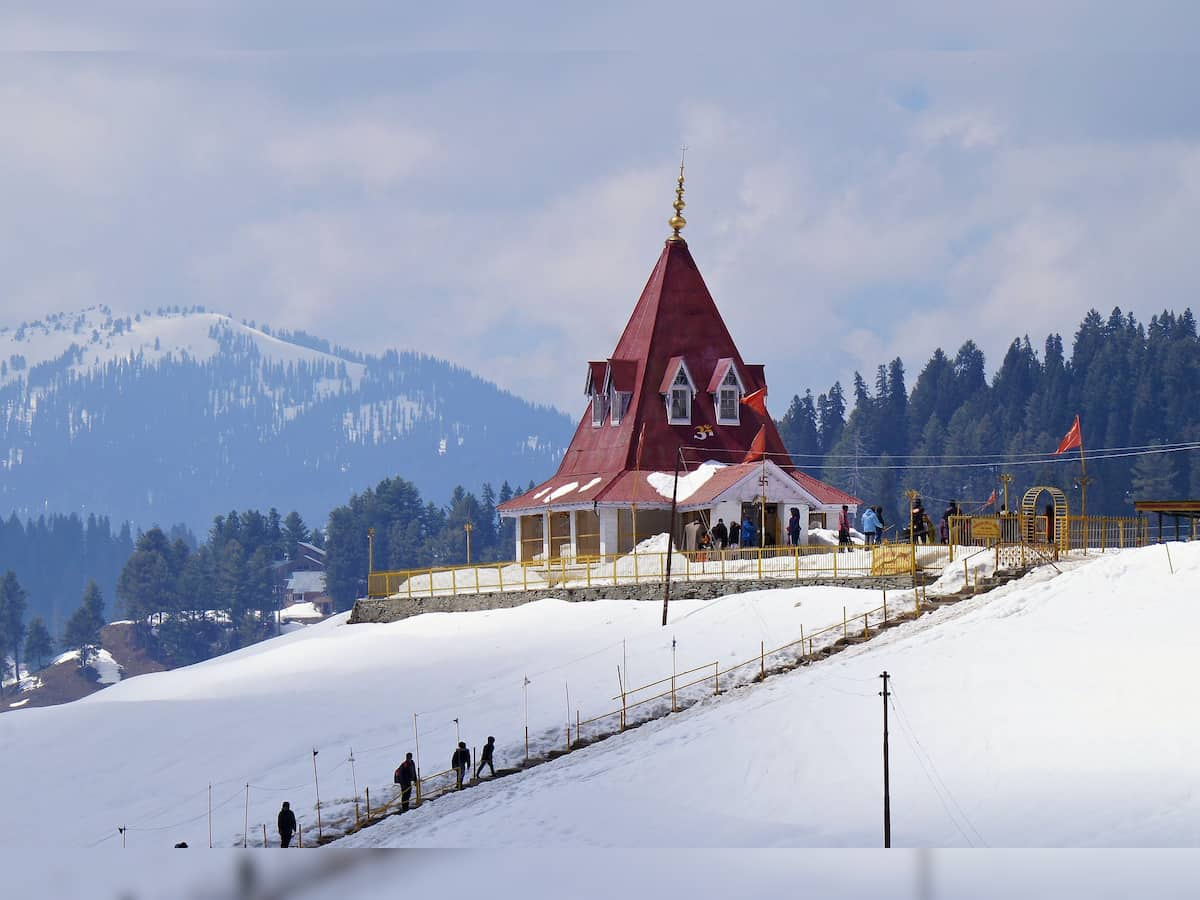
(1071, 439)
(992, 499)
(758, 446)
(757, 401)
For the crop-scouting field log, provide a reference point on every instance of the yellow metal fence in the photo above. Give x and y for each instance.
(733, 564)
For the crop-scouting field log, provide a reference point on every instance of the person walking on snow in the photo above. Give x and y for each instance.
(406, 777)
(485, 758)
(844, 527)
(459, 762)
(287, 825)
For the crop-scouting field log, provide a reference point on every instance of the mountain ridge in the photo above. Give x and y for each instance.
(179, 414)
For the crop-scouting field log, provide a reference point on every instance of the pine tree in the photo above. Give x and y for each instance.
(83, 628)
(12, 619)
(38, 643)
(294, 532)
(145, 589)
(1154, 477)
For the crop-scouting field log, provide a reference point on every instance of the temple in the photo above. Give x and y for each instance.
(675, 393)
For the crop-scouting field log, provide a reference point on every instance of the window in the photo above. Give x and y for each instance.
(620, 405)
(680, 401)
(729, 399)
(599, 408)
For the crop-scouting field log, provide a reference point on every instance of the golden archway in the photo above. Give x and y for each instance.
(1029, 516)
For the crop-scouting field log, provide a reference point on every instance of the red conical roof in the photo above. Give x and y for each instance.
(675, 318)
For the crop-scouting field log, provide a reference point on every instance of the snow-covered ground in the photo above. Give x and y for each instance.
(155, 742)
(1052, 712)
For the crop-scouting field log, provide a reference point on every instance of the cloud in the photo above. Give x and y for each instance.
(362, 147)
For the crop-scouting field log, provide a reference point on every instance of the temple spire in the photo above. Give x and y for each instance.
(677, 221)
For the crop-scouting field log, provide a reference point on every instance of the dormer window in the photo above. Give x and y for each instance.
(677, 392)
(599, 408)
(619, 404)
(729, 400)
(727, 390)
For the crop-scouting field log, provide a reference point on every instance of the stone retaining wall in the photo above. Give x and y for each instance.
(393, 609)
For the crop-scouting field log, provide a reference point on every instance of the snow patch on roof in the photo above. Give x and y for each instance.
(561, 490)
(591, 484)
(663, 482)
(300, 611)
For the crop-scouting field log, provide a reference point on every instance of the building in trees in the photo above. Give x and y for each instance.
(675, 384)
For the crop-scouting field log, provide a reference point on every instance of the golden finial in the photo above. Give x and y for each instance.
(677, 221)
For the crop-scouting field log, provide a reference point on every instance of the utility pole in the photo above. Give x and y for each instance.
(887, 795)
(1006, 480)
(670, 540)
(370, 550)
(317, 786)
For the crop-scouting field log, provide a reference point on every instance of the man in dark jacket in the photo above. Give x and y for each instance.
(406, 777)
(485, 758)
(721, 534)
(287, 825)
(459, 762)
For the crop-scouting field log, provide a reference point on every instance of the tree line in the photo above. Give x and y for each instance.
(956, 431)
(191, 600)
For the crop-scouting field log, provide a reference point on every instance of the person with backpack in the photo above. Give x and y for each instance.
(485, 758)
(735, 534)
(287, 825)
(406, 777)
(459, 762)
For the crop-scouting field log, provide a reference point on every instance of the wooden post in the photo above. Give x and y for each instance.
(845, 623)
(246, 820)
(885, 604)
(300, 835)
(368, 790)
(716, 678)
(264, 835)
(762, 660)
(210, 817)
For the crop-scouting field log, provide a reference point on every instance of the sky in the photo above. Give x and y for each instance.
(490, 183)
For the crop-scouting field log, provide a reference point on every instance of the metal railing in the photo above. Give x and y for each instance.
(791, 563)
(784, 563)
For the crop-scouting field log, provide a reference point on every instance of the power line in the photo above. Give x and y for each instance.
(906, 723)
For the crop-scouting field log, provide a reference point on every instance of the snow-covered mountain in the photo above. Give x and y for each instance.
(177, 415)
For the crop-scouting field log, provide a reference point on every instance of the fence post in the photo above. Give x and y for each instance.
(803, 655)
(845, 624)
(300, 835)
(264, 834)
(716, 678)
(368, 790)
(577, 725)
(884, 605)
(866, 627)
(762, 660)
(418, 803)
(835, 556)
(760, 563)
